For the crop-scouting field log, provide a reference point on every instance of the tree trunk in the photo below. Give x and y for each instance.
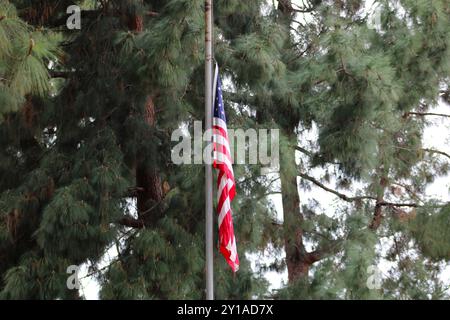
(297, 259)
(148, 181)
(378, 211)
(296, 255)
(149, 185)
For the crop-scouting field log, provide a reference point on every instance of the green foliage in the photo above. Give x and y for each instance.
(324, 285)
(431, 232)
(163, 264)
(32, 280)
(359, 255)
(86, 142)
(24, 54)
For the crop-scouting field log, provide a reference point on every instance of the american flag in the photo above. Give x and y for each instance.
(226, 188)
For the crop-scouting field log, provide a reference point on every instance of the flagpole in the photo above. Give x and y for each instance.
(209, 238)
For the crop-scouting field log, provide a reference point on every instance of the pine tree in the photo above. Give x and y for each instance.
(86, 146)
(362, 88)
(94, 162)
(367, 91)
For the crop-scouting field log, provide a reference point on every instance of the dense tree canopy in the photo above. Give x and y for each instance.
(86, 118)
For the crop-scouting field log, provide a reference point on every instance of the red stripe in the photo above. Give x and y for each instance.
(225, 172)
(223, 167)
(221, 131)
(222, 197)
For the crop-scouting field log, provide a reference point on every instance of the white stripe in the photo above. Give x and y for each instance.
(224, 210)
(232, 248)
(216, 76)
(224, 181)
(220, 123)
(220, 139)
(230, 184)
(222, 158)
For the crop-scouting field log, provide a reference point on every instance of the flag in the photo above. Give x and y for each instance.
(226, 188)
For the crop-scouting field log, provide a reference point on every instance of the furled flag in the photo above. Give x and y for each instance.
(226, 189)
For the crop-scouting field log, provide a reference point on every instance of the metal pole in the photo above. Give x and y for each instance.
(208, 168)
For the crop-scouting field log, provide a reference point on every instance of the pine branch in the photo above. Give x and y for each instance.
(277, 223)
(131, 222)
(99, 270)
(307, 10)
(409, 190)
(112, 262)
(340, 195)
(331, 248)
(133, 191)
(396, 204)
(303, 150)
(139, 223)
(423, 114)
(411, 205)
(378, 210)
(311, 154)
(437, 151)
(358, 198)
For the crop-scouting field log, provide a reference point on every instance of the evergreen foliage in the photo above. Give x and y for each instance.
(86, 118)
